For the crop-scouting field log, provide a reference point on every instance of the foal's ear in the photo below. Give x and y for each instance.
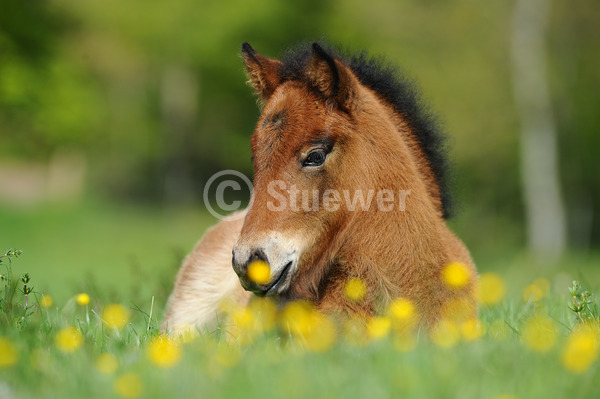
(332, 78)
(263, 72)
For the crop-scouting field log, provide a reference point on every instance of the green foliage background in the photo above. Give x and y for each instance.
(89, 76)
(93, 78)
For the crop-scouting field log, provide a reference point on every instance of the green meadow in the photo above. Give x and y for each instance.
(107, 343)
(115, 115)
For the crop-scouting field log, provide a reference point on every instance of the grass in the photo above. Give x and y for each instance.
(274, 364)
(63, 247)
(97, 244)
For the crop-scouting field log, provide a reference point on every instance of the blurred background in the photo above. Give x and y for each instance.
(114, 114)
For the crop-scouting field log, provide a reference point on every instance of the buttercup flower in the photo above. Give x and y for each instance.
(402, 312)
(296, 317)
(243, 318)
(378, 327)
(321, 334)
(355, 289)
(116, 316)
(459, 309)
(539, 333)
(8, 352)
(582, 348)
(68, 340)
(82, 299)
(491, 289)
(537, 290)
(264, 312)
(471, 330)
(455, 275)
(164, 352)
(259, 272)
(314, 329)
(46, 301)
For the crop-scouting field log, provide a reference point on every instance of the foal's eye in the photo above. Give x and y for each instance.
(315, 158)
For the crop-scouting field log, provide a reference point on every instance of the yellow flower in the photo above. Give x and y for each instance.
(321, 334)
(539, 333)
(378, 327)
(68, 340)
(296, 317)
(582, 349)
(471, 330)
(107, 363)
(116, 316)
(163, 351)
(244, 325)
(445, 334)
(456, 275)
(314, 329)
(355, 289)
(537, 290)
(259, 272)
(82, 299)
(402, 312)
(491, 289)
(129, 385)
(8, 353)
(243, 318)
(46, 301)
(264, 311)
(459, 309)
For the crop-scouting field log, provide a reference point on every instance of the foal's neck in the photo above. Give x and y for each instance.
(384, 247)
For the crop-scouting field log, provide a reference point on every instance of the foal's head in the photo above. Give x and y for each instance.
(323, 138)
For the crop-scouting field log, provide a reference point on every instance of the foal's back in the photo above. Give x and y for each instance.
(206, 280)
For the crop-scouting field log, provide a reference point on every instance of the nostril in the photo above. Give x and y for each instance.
(240, 262)
(257, 254)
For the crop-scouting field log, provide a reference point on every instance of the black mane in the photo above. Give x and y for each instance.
(400, 92)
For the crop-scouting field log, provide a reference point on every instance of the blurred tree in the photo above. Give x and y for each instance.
(574, 40)
(44, 102)
(32, 41)
(153, 91)
(183, 57)
(542, 193)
